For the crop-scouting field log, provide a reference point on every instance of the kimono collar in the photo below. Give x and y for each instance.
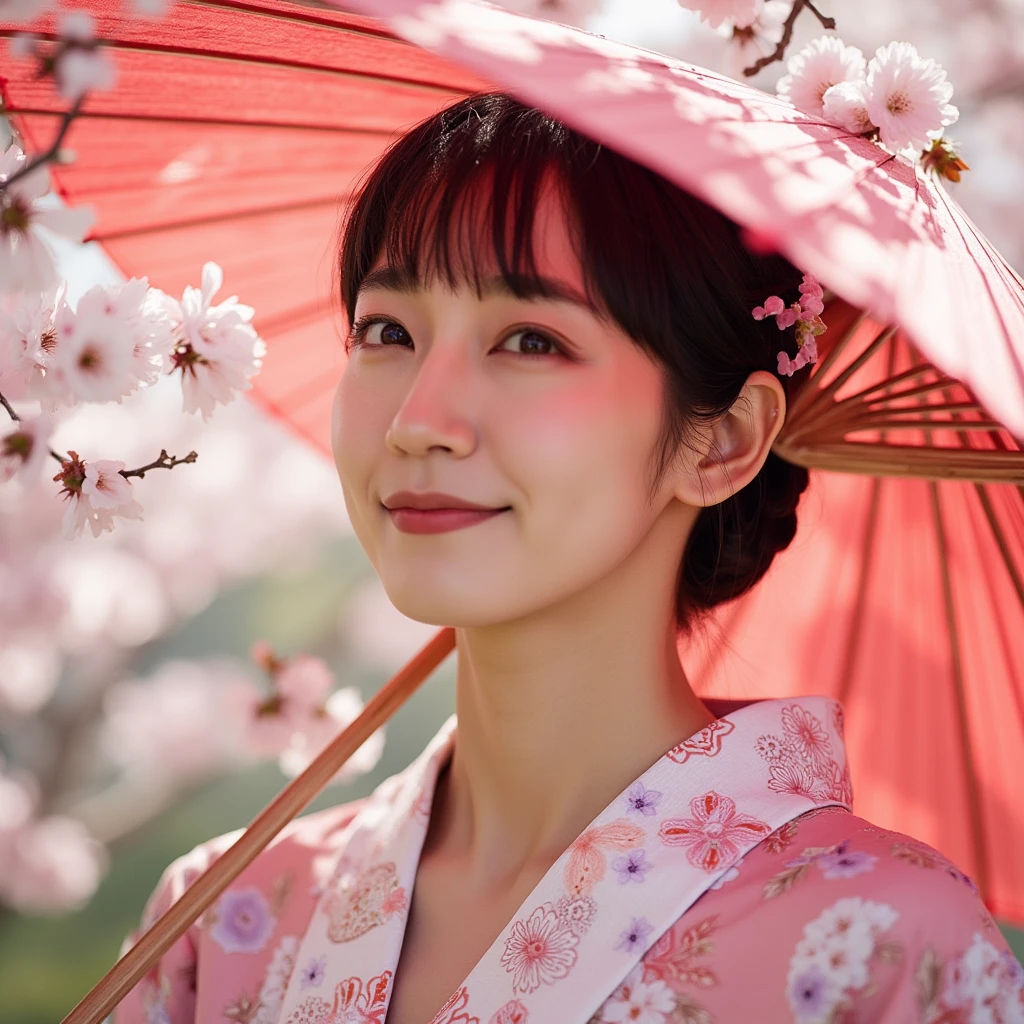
(675, 831)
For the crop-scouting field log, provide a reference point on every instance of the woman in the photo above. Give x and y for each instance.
(554, 433)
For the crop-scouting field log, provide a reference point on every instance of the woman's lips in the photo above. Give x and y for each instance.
(439, 520)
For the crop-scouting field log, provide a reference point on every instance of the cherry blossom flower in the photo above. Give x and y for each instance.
(538, 950)
(96, 492)
(26, 261)
(81, 65)
(304, 682)
(821, 64)
(174, 727)
(756, 38)
(717, 12)
(319, 728)
(908, 97)
(28, 340)
(846, 104)
(715, 834)
(54, 866)
(218, 350)
(24, 448)
(638, 1002)
(565, 12)
(93, 352)
(244, 923)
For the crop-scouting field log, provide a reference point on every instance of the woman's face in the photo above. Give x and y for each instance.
(539, 407)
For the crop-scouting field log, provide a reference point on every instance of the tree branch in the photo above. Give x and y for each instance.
(49, 154)
(787, 35)
(164, 461)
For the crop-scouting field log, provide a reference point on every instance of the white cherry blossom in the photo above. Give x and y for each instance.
(821, 64)
(81, 66)
(218, 350)
(908, 97)
(24, 448)
(342, 707)
(54, 866)
(718, 12)
(846, 105)
(96, 492)
(26, 261)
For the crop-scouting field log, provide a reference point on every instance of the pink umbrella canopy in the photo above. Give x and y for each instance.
(902, 595)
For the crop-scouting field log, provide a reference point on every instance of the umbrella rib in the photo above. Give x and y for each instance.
(966, 750)
(214, 218)
(213, 121)
(852, 645)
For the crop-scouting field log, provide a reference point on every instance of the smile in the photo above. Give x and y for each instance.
(439, 520)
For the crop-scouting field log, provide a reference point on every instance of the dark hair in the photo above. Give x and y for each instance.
(672, 271)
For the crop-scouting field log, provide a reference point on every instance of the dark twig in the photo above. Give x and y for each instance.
(49, 154)
(165, 461)
(787, 35)
(7, 406)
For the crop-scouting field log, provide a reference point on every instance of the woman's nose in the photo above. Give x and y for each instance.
(435, 413)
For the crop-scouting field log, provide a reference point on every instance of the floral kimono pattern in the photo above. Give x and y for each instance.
(730, 882)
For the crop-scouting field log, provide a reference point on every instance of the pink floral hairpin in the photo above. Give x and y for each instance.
(805, 313)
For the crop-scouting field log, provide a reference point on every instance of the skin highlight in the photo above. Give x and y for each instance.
(569, 683)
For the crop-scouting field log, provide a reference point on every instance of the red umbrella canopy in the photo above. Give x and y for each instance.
(236, 131)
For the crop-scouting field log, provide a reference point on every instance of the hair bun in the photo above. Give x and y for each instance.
(733, 543)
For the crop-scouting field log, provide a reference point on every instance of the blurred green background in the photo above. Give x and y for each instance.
(47, 965)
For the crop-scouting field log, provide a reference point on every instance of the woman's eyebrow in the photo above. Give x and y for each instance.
(390, 278)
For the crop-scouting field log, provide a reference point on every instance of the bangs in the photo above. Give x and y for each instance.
(457, 203)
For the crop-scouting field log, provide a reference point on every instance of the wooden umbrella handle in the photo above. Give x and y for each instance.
(163, 933)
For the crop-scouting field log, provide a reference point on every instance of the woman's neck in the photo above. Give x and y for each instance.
(556, 717)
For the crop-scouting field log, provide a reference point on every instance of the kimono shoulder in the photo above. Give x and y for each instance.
(831, 919)
(253, 926)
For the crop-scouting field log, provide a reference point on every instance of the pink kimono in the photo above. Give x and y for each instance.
(729, 883)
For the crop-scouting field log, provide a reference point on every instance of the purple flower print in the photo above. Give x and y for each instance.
(312, 974)
(809, 994)
(642, 800)
(845, 863)
(633, 937)
(632, 867)
(244, 921)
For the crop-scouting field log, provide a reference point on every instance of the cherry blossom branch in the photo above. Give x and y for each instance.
(787, 35)
(47, 155)
(164, 461)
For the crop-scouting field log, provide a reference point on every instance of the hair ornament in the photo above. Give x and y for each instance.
(805, 313)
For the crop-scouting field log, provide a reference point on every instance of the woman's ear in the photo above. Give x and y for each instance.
(731, 450)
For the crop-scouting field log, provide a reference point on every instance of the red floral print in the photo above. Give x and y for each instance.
(353, 1003)
(454, 1010)
(707, 742)
(511, 1013)
(587, 862)
(807, 735)
(539, 951)
(714, 835)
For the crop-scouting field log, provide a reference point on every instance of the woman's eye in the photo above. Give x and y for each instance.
(379, 332)
(532, 343)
